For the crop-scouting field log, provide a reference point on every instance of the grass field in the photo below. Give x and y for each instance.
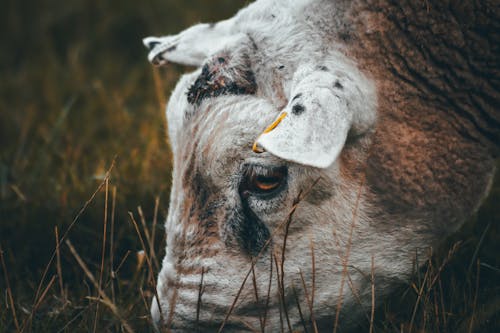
(85, 177)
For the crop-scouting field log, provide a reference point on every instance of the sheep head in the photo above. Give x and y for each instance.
(309, 164)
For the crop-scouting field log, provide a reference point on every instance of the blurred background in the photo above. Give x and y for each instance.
(76, 93)
(84, 154)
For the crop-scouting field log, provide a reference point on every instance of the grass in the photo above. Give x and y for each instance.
(85, 174)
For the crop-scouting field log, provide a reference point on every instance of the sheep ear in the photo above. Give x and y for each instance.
(311, 136)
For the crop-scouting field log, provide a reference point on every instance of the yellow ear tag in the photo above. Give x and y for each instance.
(267, 130)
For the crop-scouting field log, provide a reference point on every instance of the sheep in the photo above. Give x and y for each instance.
(319, 144)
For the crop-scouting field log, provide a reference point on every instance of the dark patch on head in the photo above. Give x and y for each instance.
(338, 85)
(244, 228)
(299, 95)
(200, 205)
(323, 68)
(273, 16)
(201, 189)
(253, 234)
(281, 67)
(298, 109)
(218, 77)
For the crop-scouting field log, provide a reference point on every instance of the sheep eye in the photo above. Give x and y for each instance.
(263, 180)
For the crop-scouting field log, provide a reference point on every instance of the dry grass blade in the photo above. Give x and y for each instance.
(372, 282)
(478, 246)
(268, 296)
(493, 268)
(282, 263)
(115, 273)
(144, 301)
(313, 264)
(150, 266)
(45, 291)
(103, 253)
(311, 306)
(278, 279)
(9, 291)
(346, 256)
(474, 304)
(256, 293)
(148, 237)
(58, 264)
(299, 308)
(63, 329)
(72, 224)
(38, 303)
(309, 302)
(18, 192)
(451, 252)
(234, 301)
(103, 297)
(153, 232)
(143, 223)
(112, 245)
(442, 306)
(355, 292)
(420, 292)
(200, 294)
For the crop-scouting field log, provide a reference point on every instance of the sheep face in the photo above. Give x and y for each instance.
(280, 231)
